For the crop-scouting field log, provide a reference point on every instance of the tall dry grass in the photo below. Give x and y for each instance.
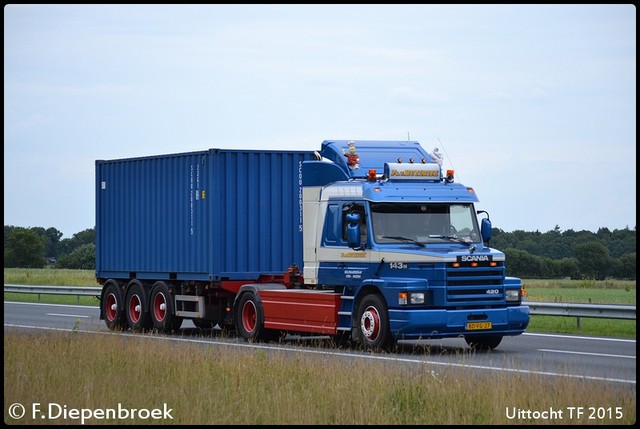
(214, 384)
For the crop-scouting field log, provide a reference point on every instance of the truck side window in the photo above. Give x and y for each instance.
(331, 225)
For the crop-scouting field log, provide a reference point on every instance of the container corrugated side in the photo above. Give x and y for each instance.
(211, 215)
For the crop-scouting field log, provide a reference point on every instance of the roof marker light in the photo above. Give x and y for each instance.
(449, 175)
(372, 175)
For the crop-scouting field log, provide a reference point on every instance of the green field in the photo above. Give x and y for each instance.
(580, 291)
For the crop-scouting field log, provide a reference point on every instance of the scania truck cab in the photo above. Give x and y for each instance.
(402, 241)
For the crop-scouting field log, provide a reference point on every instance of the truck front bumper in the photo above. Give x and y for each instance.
(416, 324)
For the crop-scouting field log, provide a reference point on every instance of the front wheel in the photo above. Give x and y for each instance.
(483, 342)
(373, 331)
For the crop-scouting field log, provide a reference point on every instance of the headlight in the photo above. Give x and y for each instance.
(512, 294)
(417, 298)
(405, 298)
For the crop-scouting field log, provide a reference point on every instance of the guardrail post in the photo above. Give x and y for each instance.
(579, 325)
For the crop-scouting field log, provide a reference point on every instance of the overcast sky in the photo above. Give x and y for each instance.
(534, 106)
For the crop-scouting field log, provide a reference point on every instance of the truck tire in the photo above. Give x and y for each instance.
(250, 320)
(483, 342)
(112, 311)
(373, 331)
(137, 307)
(162, 311)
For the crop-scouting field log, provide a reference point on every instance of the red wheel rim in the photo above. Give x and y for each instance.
(160, 307)
(249, 316)
(370, 324)
(135, 308)
(111, 307)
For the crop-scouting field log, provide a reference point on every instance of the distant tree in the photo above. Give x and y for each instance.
(24, 249)
(68, 245)
(628, 266)
(7, 231)
(555, 249)
(523, 264)
(593, 260)
(568, 267)
(87, 236)
(82, 258)
(51, 237)
(53, 242)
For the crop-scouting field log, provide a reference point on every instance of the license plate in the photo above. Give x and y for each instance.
(474, 326)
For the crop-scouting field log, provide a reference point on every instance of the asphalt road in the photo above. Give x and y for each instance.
(609, 360)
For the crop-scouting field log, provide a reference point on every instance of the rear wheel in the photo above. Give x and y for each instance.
(112, 310)
(250, 320)
(137, 307)
(162, 311)
(483, 342)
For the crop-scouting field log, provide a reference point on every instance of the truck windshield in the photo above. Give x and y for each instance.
(423, 223)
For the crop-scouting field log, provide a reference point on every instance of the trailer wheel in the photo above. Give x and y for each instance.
(112, 311)
(373, 331)
(137, 307)
(483, 342)
(162, 311)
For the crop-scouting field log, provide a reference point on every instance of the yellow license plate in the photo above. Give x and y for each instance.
(474, 326)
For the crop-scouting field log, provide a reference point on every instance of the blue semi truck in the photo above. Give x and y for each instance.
(369, 242)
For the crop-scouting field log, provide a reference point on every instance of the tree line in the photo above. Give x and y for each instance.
(38, 247)
(553, 254)
(569, 254)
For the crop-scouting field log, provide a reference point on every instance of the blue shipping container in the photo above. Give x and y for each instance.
(209, 215)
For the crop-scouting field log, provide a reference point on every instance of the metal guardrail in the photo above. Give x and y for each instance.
(603, 311)
(55, 290)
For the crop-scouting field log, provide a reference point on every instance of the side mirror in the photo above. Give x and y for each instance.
(353, 230)
(485, 230)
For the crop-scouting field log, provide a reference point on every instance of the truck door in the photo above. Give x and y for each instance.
(340, 264)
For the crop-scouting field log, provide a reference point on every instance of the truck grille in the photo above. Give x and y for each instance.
(480, 285)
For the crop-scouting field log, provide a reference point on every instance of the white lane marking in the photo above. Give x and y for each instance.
(66, 315)
(587, 354)
(576, 337)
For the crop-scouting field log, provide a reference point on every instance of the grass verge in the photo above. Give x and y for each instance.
(219, 385)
